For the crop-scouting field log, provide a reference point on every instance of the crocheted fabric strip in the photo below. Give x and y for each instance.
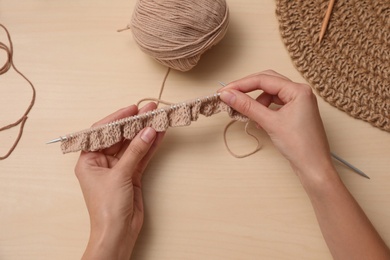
(350, 68)
(181, 114)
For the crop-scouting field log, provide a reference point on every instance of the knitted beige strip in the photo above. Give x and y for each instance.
(180, 114)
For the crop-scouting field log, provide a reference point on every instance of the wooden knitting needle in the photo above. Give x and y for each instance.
(326, 19)
(338, 158)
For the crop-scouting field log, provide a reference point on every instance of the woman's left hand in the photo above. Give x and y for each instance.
(111, 184)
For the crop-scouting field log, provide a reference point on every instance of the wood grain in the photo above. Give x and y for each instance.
(200, 202)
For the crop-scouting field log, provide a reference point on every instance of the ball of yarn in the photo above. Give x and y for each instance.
(177, 32)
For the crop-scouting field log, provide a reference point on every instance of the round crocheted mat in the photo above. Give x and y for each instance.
(350, 69)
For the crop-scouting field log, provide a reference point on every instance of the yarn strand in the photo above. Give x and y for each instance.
(158, 100)
(239, 156)
(163, 85)
(6, 67)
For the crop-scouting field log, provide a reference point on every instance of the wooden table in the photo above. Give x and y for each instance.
(200, 202)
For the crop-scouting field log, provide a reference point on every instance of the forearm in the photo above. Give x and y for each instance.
(346, 229)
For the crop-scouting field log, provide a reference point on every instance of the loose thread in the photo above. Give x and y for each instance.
(163, 84)
(22, 120)
(128, 27)
(158, 100)
(258, 148)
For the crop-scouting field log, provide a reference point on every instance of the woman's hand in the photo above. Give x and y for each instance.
(111, 184)
(295, 127)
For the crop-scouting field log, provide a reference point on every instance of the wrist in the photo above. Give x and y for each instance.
(110, 241)
(318, 181)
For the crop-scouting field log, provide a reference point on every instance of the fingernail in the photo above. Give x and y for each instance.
(148, 135)
(228, 97)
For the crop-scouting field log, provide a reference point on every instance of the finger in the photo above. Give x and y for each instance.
(246, 105)
(153, 148)
(274, 85)
(155, 145)
(145, 160)
(274, 73)
(266, 99)
(137, 177)
(268, 83)
(136, 150)
(148, 107)
(267, 72)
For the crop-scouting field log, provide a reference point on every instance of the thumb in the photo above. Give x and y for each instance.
(137, 149)
(246, 105)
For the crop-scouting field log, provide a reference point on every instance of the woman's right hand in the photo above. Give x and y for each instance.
(295, 126)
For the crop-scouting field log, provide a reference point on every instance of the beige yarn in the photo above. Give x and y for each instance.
(3, 69)
(177, 33)
(181, 114)
(350, 69)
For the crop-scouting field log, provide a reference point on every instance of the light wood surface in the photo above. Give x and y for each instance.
(200, 202)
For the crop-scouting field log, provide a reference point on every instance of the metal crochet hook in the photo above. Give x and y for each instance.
(334, 156)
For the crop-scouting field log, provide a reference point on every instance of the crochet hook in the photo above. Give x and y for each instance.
(326, 19)
(334, 156)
